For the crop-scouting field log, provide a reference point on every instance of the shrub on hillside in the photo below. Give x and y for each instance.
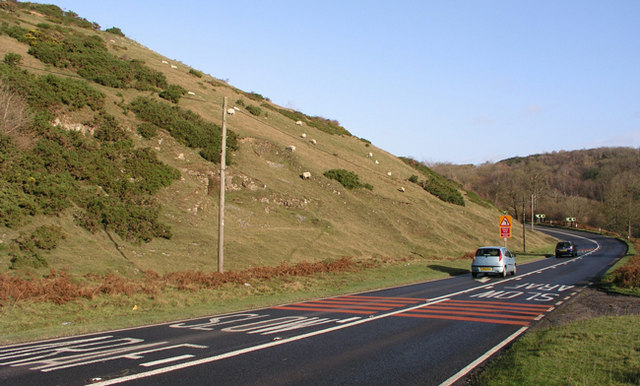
(441, 187)
(89, 57)
(115, 31)
(195, 73)
(254, 110)
(349, 180)
(186, 127)
(173, 93)
(628, 275)
(47, 237)
(147, 130)
(48, 93)
(12, 59)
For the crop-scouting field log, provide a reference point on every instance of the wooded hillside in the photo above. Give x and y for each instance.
(599, 187)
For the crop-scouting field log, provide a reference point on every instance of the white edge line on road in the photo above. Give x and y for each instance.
(320, 332)
(167, 360)
(484, 357)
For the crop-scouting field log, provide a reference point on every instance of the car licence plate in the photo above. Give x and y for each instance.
(486, 269)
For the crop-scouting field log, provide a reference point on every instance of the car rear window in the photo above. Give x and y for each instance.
(488, 252)
(563, 244)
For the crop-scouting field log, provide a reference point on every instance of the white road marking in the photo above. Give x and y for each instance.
(166, 360)
(483, 358)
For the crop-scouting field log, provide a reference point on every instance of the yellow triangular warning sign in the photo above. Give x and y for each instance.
(504, 221)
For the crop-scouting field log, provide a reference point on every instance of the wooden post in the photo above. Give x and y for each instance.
(524, 225)
(223, 156)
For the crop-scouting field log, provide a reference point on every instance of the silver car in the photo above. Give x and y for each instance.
(493, 261)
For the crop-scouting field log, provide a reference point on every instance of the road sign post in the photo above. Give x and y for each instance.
(505, 228)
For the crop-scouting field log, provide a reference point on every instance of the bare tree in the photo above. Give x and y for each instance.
(14, 113)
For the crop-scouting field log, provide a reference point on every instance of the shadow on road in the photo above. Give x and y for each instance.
(450, 270)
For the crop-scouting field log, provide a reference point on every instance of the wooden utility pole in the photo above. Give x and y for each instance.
(532, 216)
(524, 225)
(223, 156)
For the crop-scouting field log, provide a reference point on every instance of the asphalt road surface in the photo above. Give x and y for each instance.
(429, 334)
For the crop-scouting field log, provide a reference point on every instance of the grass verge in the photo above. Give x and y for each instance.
(599, 351)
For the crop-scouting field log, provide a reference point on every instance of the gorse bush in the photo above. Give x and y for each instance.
(12, 59)
(49, 93)
(446, 190)
(89, 57)
(173, 93)
(115, 31)
(109, 182)
(186, 127)
(147, 130)
(254, 110)
(195, 73)
(57, 15)
(349, 180)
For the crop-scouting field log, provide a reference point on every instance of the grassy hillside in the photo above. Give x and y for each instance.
(149, 200)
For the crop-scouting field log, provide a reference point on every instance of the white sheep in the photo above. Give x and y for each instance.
(303, 135)
(231, 111)
(370, 155)
(313, 142)
(165, 62)
(174, 66)
(306, 175)
(299, 123)
(389, 174)
(377, 162)
(191, 93)
(291, 148)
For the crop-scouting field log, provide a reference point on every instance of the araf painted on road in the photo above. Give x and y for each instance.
(542, 287)
(218, 321)
(233, 323)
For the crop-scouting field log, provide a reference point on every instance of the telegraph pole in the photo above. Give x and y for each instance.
(524, 225)
(532, 216)
(223, 156)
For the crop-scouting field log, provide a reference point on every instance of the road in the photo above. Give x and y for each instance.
(429, 333)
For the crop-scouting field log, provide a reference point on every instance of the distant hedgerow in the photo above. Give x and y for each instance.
(349, 180)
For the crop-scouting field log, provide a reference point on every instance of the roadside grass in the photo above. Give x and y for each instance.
(26, 320)
(599, 351)
(628, 267)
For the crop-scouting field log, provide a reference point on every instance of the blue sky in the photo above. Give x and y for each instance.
(440, 81)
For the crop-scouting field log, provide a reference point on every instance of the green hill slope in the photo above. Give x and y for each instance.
(132, 200)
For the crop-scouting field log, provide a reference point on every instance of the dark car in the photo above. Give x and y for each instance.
(566, 248)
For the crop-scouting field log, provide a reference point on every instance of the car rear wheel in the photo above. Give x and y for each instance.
(474, 274)
(504, 272)
(513, 273)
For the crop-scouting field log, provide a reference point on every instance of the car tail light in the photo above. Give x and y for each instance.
(500, 254)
